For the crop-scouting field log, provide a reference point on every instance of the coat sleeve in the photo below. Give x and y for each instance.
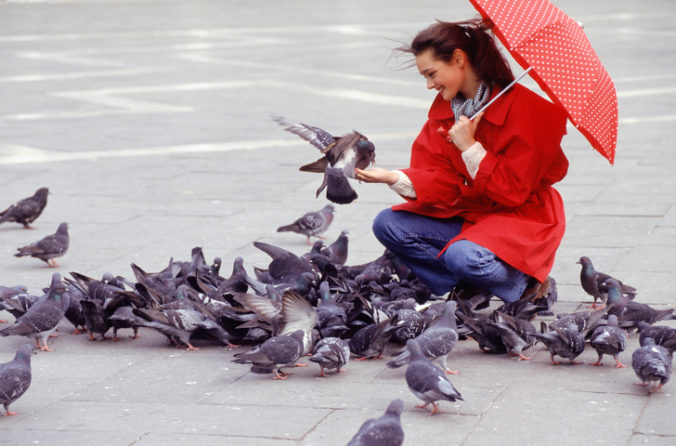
(436, 181)
(528, 155)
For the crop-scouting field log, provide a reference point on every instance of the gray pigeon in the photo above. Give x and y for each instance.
(49, 247)
(273, 354)
(427, 381)
(43, 316)
(311, 224)
(592, 281)
(629, 312)
(336, 252)
(652, 365)
(331, 353)
(284, 265)
(27, 210)
(341, 155)
(436, 342)
(566, 342)
(385, 430)
(516, 334)
(8, 293)
(294, 313)
(661, 334)
(15, 377)
(370, 341)
(609, 339)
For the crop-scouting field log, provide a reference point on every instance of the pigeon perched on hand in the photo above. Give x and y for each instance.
(15, 377)
(27, 210)
(427, 381)
(385, 430)
(341, 155)
(592, 281)
(652, 365)
(48, 248)
(43, 316)
(311, 224)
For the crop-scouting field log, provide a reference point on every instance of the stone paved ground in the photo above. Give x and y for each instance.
(149, 122)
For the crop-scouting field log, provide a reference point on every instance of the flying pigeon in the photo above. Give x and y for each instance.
(273, 354)
(592, 281)
(385, 430)
(609, 339)
(427, 381)
(652, 365)
(331, 353)
(436, 342)
(311, 224)
(15, 377)
(49, 247)
(27, 210)
(43, 316)
(341, 155)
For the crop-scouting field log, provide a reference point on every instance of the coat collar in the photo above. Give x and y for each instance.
(495, 113)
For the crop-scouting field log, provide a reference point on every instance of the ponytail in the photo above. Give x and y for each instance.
(472, 37)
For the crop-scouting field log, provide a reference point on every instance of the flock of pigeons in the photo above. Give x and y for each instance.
(314, 304)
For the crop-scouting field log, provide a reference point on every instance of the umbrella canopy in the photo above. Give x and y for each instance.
(540, 36)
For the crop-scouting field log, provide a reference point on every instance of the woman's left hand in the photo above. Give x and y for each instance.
(462, 132)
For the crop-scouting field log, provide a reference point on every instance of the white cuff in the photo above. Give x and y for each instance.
(403, 186)
(472, 158)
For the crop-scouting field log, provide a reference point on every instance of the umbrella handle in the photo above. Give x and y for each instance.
(504, 90)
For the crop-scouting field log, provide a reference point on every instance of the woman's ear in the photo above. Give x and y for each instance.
(459, 57)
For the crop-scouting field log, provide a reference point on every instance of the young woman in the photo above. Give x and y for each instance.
(480, 208)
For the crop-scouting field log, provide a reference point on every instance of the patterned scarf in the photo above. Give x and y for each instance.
(467, 107)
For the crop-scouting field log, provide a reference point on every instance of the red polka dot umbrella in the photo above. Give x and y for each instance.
(563, 63)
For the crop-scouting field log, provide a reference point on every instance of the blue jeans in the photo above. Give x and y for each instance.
(417, 241)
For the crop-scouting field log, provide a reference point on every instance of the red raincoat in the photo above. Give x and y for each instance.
(510, 207)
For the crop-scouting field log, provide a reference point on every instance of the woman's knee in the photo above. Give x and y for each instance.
(383, 225)
(464, 257)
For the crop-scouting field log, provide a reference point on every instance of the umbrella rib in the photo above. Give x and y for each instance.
(504, 90)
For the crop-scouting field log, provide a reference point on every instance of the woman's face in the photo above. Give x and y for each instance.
(445, 77)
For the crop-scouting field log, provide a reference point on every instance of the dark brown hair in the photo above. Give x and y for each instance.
(472, 37)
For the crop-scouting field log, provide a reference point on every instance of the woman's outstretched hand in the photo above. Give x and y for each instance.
(376, 175)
